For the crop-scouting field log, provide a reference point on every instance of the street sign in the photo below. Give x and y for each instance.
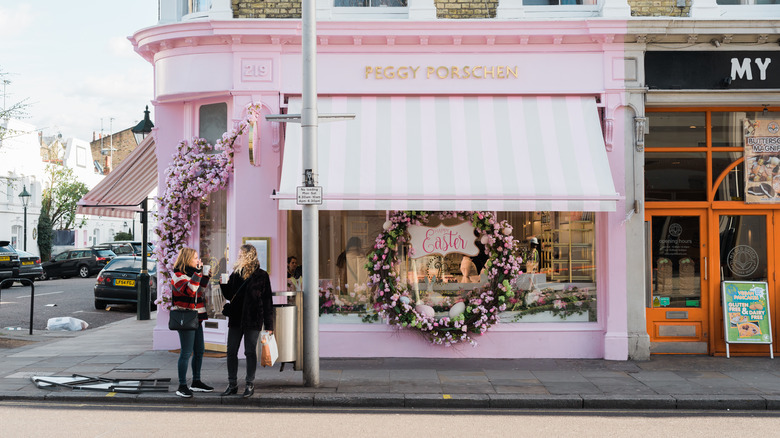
(308, 195)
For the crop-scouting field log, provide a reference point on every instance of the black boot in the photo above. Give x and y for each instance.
(231, 390)
(250, 389)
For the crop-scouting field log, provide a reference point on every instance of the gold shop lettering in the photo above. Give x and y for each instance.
(442, 72)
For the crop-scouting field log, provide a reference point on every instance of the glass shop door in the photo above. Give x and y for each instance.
(678, 283)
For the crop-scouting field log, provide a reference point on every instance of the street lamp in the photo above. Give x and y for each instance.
(25, 200)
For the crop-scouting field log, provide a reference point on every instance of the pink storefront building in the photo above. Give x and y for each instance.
(520, 119)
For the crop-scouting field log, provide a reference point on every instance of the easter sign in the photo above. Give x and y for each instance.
(746, 312)
(443, 240)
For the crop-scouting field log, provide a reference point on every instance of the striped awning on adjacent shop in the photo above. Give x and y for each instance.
(496, 153)
(120, 193)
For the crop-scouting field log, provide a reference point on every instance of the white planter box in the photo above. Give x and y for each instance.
(543, 317)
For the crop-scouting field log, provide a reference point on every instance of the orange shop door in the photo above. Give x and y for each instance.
(678, 302)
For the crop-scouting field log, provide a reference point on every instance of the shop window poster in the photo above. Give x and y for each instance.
(746, 312)
(762, 161)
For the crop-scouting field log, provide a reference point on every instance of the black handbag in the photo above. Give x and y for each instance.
(183, 319)
(226, 306)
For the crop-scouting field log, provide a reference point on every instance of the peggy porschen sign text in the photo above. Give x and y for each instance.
(441, 72)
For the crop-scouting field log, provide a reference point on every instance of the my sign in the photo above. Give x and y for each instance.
(746, 312)
(443, 240)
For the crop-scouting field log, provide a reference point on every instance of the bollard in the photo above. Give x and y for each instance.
(32, 294)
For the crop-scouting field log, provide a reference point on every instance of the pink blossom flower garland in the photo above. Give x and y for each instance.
(196, 170)
(482, 304)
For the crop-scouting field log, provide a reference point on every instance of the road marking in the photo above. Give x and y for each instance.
(47, 293)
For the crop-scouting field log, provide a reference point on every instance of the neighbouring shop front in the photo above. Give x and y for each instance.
(711, 189)
(501, 132)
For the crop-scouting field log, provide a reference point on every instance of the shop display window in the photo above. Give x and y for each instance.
(214, 247)
(558, 283)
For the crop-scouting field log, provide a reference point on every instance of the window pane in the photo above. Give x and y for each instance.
(729, 2)
(675, 176)
(563, 288)
(212, 122)
(676, 130)
(676, 261)
(727, 128)
(743, 251)
(732, 187)
(213, 247)
(345, 239)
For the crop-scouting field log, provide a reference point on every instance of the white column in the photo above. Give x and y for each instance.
(324, 10)
(509, 9)
(422, 10)
(615, 9)
(704, 9)
(220, 10)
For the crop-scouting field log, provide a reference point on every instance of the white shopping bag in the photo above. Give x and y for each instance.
(269, 352)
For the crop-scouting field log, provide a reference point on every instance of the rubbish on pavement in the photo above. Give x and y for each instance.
(66, 323)
(80, 382)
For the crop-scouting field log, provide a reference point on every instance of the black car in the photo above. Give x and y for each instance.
(119, 248)
(31, 267)
(118, 282)
(82, 262)
(136, 244)
(9, 263)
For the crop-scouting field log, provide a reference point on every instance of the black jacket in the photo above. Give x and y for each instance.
(252, 308)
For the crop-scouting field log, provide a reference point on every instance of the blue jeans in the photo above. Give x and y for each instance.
(250, 351)
(191, 345)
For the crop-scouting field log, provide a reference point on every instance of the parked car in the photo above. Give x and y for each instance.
(82, 262)
(118, 282)
(9, 263)
(136, 246)
(119, 248)
(30, 265)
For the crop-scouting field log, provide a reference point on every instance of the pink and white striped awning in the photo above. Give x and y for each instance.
(496, 153)
(120, 193)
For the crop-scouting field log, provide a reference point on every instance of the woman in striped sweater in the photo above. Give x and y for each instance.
(189, 282)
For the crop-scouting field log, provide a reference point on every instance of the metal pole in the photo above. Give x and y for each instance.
(25, 227)
(309, 215)
(142, 309)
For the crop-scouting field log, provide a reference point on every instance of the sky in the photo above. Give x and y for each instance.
(73, 62)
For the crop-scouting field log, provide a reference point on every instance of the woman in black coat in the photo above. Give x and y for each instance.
(251, 308)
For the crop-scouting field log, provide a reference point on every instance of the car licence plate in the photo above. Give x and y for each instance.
(5, 258)
(28, 263)
(123, 282)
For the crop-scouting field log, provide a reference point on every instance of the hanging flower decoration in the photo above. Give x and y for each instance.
(196, 170)
(480, 307)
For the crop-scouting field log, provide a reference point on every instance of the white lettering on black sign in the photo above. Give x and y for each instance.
(745, 69)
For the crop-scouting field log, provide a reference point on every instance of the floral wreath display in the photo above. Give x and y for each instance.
(196, 170)
(479, 309)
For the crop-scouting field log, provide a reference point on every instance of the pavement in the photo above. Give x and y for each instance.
(123, 350)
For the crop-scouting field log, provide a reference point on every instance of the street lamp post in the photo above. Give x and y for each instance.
(25, 200)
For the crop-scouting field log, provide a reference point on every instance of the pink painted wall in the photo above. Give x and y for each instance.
(244, 62)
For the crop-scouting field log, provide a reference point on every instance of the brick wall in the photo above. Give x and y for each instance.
(266, 8)
(657, 8)
(124, 143)
(466, 8)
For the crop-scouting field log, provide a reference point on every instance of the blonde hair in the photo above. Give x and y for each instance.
(247, 262)
(184, 258)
